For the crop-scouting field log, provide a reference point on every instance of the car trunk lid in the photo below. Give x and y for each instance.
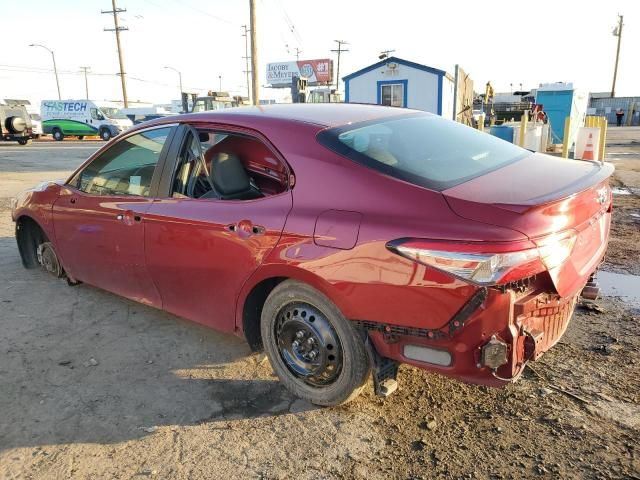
(542, 196)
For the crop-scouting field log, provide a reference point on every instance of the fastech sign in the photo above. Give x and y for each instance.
(317, 72)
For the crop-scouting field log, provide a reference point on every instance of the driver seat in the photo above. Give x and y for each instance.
(230, 179)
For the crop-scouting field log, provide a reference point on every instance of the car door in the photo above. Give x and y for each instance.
(200, 251)
(99, 216)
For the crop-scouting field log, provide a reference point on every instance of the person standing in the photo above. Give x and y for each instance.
(619, 116)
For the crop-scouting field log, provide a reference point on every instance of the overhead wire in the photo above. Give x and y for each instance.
(40, 70)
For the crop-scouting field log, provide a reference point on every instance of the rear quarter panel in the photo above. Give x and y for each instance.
(367, 282)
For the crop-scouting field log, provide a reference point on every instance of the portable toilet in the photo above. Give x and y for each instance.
(559, 101)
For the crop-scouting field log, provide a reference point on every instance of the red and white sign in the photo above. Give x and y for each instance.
(317, 72)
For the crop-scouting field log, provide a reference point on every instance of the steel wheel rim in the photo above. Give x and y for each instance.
(308, 344)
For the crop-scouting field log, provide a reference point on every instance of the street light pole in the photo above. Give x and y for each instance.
(219, 83)
(179, 78)
(55, 68)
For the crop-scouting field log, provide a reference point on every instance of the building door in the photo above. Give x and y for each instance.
(392, 94)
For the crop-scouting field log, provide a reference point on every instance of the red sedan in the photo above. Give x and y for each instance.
(343, 239)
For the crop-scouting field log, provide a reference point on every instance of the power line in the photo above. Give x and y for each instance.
(195, 9)
(38, 70)
(290, 24)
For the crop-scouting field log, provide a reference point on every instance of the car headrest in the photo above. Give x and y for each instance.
(228, 174)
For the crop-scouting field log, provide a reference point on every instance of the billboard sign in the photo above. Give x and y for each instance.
(317, 72)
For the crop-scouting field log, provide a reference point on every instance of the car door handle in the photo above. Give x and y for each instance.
(245, 228)
(128, 217)
(72, 200)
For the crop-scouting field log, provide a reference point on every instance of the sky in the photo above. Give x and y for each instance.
(506, 42)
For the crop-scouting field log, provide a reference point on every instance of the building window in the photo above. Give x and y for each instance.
(392, 95)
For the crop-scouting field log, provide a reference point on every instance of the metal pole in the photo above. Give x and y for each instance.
(219, 83)
(246, 60)
(55, 68)
(455, 93)
(179, 79)
(618, 33)
(86, 82)
(55, 71)
(339, 50)
(254, 53)
(117, 28)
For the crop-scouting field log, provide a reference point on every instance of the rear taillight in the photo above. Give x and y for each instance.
(487, 263)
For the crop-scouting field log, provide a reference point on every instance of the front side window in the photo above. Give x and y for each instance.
(423, 149)
(126, 168)
(96, 114)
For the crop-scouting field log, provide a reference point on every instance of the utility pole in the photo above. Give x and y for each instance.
(55, 69)
(86, 82)
(617, 32)
(298, 52)
(246, 59)
(117, 28)
(339, 50)
(254, 53)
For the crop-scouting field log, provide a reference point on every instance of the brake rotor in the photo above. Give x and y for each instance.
(49, 260)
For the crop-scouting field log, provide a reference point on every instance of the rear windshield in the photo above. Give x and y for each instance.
(423, 149)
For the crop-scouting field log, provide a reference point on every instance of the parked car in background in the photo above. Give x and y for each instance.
(15, 124)
(144, 114)
(339, 238)
(81, 118)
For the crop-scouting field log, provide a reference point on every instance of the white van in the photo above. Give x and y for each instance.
(80, 118)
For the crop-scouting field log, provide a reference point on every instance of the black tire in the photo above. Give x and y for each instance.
(105, 134)
(16, 124)
(80, 137)
(347, 379)
(24, 141)
(57, 134)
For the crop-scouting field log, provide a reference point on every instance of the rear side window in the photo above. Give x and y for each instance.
(422, 149)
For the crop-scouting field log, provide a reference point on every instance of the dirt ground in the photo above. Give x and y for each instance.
(93, 386)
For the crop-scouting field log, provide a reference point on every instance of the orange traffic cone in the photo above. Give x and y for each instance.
(588, 150)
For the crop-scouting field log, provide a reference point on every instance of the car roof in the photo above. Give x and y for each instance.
(322, 114)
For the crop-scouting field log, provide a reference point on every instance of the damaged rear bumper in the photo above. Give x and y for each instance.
(488, 342)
